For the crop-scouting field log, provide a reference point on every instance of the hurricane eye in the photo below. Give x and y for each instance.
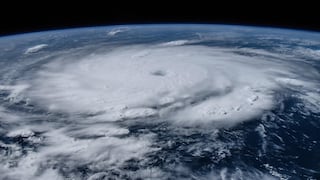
(159, 73)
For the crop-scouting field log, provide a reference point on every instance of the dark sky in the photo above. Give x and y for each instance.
(46, 16)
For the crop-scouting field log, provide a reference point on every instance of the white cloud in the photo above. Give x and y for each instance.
(176, 43)
(24, 132)
(116, 31)
(311, 101)
(35, 48)
(7, 116)
(15, 91)
(79, 146)
(50, 174)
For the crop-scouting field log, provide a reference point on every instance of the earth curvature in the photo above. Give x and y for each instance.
(160, 102)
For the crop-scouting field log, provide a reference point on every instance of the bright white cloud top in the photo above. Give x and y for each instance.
(35, 48)
(188, 85)
(116, 31)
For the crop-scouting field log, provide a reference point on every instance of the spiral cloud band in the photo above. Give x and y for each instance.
(188, 85)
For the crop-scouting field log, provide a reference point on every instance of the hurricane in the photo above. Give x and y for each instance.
(145, 102)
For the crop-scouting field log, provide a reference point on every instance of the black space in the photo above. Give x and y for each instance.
(55, 15)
